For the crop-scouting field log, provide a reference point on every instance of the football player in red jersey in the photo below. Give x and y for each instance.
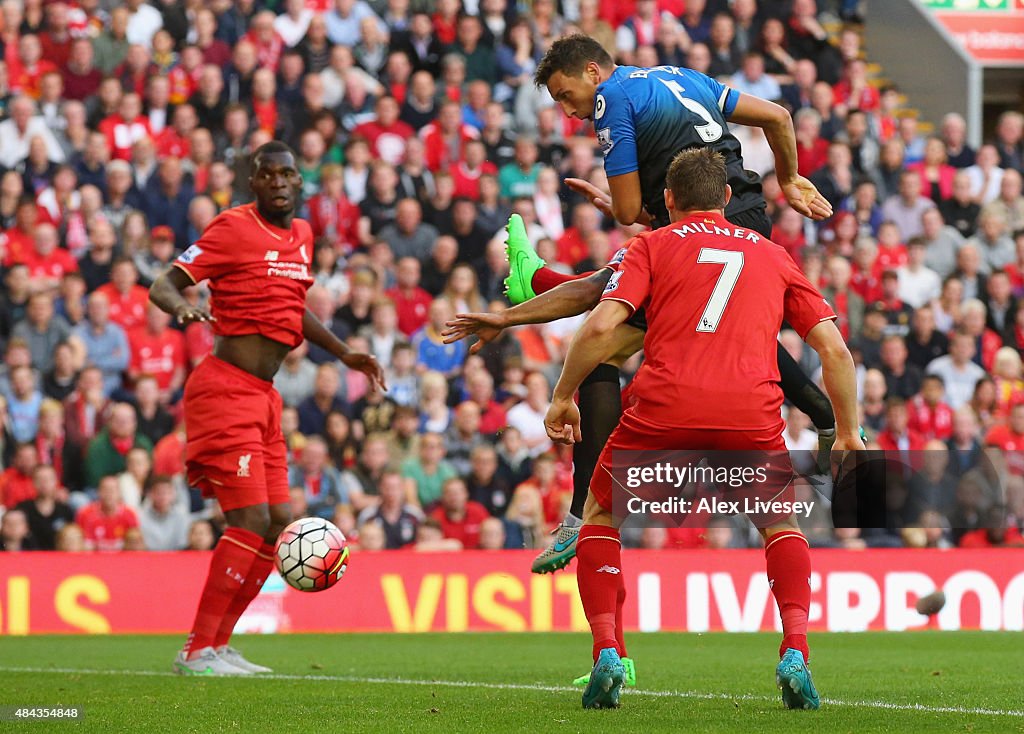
(257, 258)
(716, 296)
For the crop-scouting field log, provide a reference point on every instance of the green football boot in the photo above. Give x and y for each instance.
(627, 665)
(523, 262)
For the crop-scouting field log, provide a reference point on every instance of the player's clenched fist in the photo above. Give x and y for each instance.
(188, 314)
(562, 422)
(368, 365)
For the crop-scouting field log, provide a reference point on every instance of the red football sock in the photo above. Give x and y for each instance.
(620, 628)
(232, 558)
(258, 572)
(789, 573)
(545, 279)
(598, 573)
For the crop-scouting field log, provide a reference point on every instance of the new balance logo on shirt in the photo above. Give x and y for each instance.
(609, 569)
(271, 255)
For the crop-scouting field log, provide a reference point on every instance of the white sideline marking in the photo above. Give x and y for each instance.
(692, 695)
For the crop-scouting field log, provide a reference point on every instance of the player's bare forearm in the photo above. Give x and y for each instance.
(840, 376)
(627, 202)
(165, 293)
(564, 300)
(593, 344)
(316, 333)
(778, 129)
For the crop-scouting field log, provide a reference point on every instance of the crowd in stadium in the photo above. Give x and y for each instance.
(418, 130)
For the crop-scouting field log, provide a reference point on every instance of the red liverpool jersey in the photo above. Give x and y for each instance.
(716, 296)
(258, 273)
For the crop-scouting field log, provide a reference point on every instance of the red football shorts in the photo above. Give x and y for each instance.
(635, 435)
(235, 450)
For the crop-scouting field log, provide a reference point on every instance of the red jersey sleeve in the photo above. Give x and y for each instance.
(804, 307)
(631, 282)
(211, 255)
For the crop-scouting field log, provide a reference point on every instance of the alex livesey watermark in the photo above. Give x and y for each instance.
(938, 488)
(714, 506)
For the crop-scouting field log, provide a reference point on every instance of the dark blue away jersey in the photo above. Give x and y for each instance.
(643, 117)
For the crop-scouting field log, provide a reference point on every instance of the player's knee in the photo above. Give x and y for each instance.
(254, 518)
(594, 514)
(280, 518)
(786, 525)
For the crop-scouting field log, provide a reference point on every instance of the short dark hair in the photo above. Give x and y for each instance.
(274, 146)
(570, 55)
(697, 179)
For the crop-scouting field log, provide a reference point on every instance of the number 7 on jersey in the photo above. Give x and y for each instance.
(733, 262)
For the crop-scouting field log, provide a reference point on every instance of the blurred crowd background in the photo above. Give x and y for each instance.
(124, 129)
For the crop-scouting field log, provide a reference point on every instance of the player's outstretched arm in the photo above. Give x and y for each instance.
(166, 294)
(318, 334)
(839, 374)
(593, 344)
(778, 129)
(567, 299)
(628, 186)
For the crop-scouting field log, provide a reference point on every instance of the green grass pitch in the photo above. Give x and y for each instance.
(871, 682)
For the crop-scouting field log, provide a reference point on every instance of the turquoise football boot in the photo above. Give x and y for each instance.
(606, 679)
(794, 678)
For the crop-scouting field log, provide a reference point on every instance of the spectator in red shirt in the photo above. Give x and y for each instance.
(445, 139)
(18, 240)
(848, 305)
(16, 481)
(854, 92)
(936, 173)
(897, 436)
(81, 77)
(47, 263)
(1009, 438)
(459, 516)
(386, 134)
(811, 148)
(125, 127)
(788, 233)
(29, 66)
(174, 140)
(331, 214)
(56, 39)
(480, 389)
(994, 534)
(892, 253)
(466, 173)
(106, 521)
(265, 38)
(127, 298)
(411, 302)
(929, 414)
(159, 351)
(572, 245)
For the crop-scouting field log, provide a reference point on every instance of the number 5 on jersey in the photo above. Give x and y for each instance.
(733, 262)
(710, 131)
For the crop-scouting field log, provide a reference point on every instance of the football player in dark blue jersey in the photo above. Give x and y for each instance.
(643, 118)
